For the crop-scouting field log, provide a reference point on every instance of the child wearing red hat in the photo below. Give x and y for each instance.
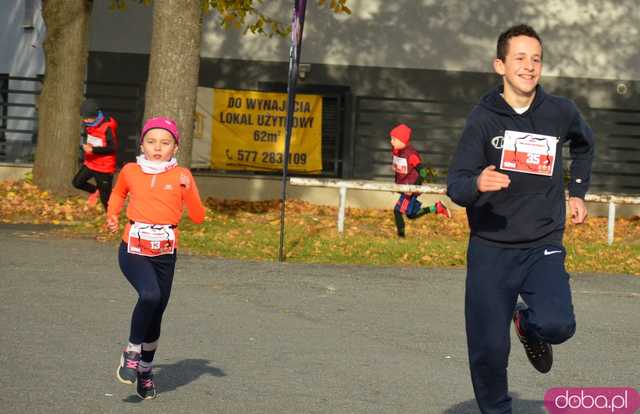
(408, 168)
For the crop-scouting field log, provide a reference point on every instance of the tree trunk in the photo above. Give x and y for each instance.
(66, 50)
(174, 65)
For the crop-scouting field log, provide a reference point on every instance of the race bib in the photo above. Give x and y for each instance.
(528, 153)
(400, 165)
(94, 141)
(151, 239)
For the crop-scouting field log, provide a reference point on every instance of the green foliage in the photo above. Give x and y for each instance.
(430, 172)
(245, 14)
(338, 6)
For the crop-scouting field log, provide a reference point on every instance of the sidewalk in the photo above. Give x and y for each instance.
(247, 337)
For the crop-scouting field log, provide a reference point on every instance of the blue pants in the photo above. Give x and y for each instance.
(410, 206)
(495, 278)
(152, 278)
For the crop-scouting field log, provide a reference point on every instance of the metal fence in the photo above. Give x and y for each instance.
(365, 155)
(438, 126)
(18, 118)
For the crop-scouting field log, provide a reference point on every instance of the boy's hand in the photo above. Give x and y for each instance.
(491, 180)
(578, 210)
(112, 223)
(87, 148)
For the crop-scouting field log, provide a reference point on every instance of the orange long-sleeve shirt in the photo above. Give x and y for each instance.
(155, 198)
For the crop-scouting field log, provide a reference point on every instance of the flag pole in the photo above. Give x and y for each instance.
(297, 23)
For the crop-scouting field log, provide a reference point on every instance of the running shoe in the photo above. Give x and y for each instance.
(442, 210)
(540, 353)
(146, 387)
(127, 372)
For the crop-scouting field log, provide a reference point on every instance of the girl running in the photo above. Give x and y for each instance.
(157, 188)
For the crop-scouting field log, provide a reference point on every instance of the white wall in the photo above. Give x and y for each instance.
(583, 38)
(21, 55)
(20, 49)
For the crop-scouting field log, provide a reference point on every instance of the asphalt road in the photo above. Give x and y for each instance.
(247, 337)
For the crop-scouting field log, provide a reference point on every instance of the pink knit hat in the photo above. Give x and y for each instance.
(162, 123)
(401, 132)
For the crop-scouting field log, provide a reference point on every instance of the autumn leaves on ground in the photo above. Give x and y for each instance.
(251, 230)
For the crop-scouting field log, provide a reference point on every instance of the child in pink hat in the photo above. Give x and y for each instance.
(158, 191)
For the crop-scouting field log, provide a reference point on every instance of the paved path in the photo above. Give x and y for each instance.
(247, 337)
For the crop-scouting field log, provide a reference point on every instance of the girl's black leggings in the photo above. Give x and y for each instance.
(152, 278)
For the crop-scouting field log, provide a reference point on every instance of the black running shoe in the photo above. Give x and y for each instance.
(540, 353)
(146, 388)
(127, 371)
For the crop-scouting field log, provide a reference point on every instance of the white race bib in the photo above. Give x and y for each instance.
(151, 239)
(94, 141)
(400, 165)
(528, 153)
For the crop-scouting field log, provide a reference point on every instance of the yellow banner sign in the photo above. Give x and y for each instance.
(249, 131)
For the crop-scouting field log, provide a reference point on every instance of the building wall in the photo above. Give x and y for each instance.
(582, 38)
(21, 35)
(422, 62)
(434, 102)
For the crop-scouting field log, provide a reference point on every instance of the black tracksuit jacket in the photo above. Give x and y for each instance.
(531, 211)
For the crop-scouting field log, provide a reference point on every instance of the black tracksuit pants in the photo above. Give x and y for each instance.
(104, 182)
(495, 278)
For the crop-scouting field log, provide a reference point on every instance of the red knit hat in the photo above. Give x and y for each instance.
(401, 132)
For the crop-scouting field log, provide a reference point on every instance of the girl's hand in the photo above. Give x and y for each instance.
(112, 223)
(87, 148)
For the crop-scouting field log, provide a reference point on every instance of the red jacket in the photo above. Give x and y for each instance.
(404, 165)
(97, 136)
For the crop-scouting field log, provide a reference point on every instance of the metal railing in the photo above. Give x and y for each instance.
(18, 118)
(342, 185)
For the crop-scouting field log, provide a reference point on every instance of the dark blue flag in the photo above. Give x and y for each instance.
(297, 24)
